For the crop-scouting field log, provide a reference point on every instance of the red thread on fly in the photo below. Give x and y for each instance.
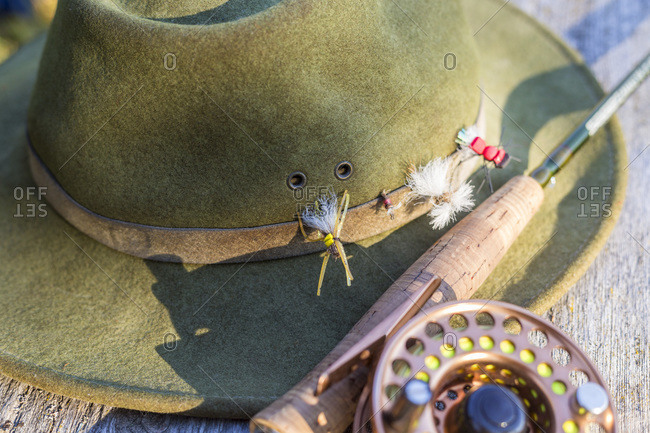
(469, 138)
(470, 142)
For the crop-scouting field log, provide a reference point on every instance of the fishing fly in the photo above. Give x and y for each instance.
(388, 204)
(469, 140)
(471, 144)
(327, 216)
(432, 184)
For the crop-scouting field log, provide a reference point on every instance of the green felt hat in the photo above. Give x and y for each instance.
(193, 132)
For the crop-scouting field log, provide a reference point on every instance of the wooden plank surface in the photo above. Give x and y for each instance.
(607, 312)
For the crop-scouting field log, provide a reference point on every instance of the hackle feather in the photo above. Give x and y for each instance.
(432, 184)
(322, 216)
(445, 211)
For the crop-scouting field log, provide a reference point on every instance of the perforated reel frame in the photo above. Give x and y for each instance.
(461, 345)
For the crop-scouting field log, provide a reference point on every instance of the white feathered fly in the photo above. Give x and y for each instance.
(432, 183)
(327, 216)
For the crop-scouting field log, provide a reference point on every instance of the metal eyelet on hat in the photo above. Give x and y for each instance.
(296, 180)
(343, 170)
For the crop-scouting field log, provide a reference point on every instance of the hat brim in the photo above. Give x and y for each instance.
(82, 320)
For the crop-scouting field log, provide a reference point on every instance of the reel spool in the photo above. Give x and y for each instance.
(483, 367)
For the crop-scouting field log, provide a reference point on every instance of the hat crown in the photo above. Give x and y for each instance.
(195, 116)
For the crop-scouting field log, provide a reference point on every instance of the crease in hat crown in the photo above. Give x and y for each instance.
(149, 117)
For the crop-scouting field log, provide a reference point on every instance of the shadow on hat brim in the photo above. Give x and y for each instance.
(82, 320)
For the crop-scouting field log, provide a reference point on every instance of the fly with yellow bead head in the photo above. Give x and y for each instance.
(327, 217)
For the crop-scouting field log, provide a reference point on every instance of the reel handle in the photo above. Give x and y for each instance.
(463, 258)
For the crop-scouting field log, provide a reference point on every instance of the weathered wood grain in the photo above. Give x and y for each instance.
(607, 312)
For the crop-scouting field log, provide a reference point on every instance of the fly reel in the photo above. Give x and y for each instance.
(483, 367)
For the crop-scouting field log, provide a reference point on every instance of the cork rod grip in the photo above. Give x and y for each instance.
(464, 257)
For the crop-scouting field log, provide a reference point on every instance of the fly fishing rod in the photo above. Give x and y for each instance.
(452, 270)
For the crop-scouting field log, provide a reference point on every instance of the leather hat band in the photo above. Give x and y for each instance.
(214, 245)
